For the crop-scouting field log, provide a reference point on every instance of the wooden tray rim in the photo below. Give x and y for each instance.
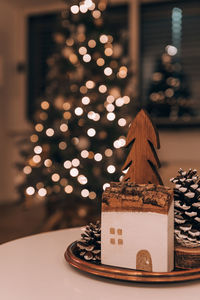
(128, 274)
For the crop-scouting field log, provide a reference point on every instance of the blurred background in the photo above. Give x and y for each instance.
(73, 74)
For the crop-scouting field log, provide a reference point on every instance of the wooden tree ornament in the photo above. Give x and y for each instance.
(142, 159)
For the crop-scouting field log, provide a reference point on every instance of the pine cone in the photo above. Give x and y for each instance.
(187, 208)
(89, 247)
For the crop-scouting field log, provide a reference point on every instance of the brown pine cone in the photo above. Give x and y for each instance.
(187, 208)
(89, 247)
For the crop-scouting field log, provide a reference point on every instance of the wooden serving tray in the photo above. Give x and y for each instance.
(128, 274)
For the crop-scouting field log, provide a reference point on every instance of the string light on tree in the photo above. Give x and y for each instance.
(27, 170)
(82, 179)
(45, 105)
(75, 9)
(105, 186)
(91, 132)
(79, 119)
(85, 100)
(50, 132)
(30, 191)
(67, 164)
(38, 149)
(74, 172)
(78, 111)
(68, 189)
(85, 193)
(42, 192)
(48, 163)
(75, 162)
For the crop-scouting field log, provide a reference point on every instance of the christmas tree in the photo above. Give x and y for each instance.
(169, 94)
(81, 123)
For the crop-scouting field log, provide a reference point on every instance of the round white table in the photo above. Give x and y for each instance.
(34, 268)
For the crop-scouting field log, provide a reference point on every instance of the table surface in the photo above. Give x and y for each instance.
(34, 268)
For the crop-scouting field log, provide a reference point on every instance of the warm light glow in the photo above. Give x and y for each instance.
(110, 107)
(66, 106)
(86, 58)
(92, 7)
(84, 154)
(108, 152)
(36, 159)
(111, 116)
(45, 105)
(85, 193)
(83, 8)
(123, 72)
(50, 132)
(63, 127)
(108, 71)
(82, 179)
(92, 43)
(122, 141)
(122, 122)
(88, 3)
(98, 157)
(92, 195)
(30, 190)
(126, 99)
(91, 132)
(48, 163)
(111, 169)
(82, 50)
(68, 189)
(100, 62)
(34, 138)
(119, 102)
(91, 115)
(55, 177)
(27, 170)
(67, 115)
(74, 172)
(73, 58)
(85, 100)
(108, 51)
(67, 164)
(103, 39)
(110, 99)
(116, 144)
(171, 50)
(78, 111)
(83, 89)
(70, 42)
(75, 140)
(62, 145)
(102, 89)
(74, 9)
(38, 149)
(63, 181)
(96, 14)
(90, 84)
(42, 192)
(106, 185)
(96, 117)
(75, 162)
(39, 127)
